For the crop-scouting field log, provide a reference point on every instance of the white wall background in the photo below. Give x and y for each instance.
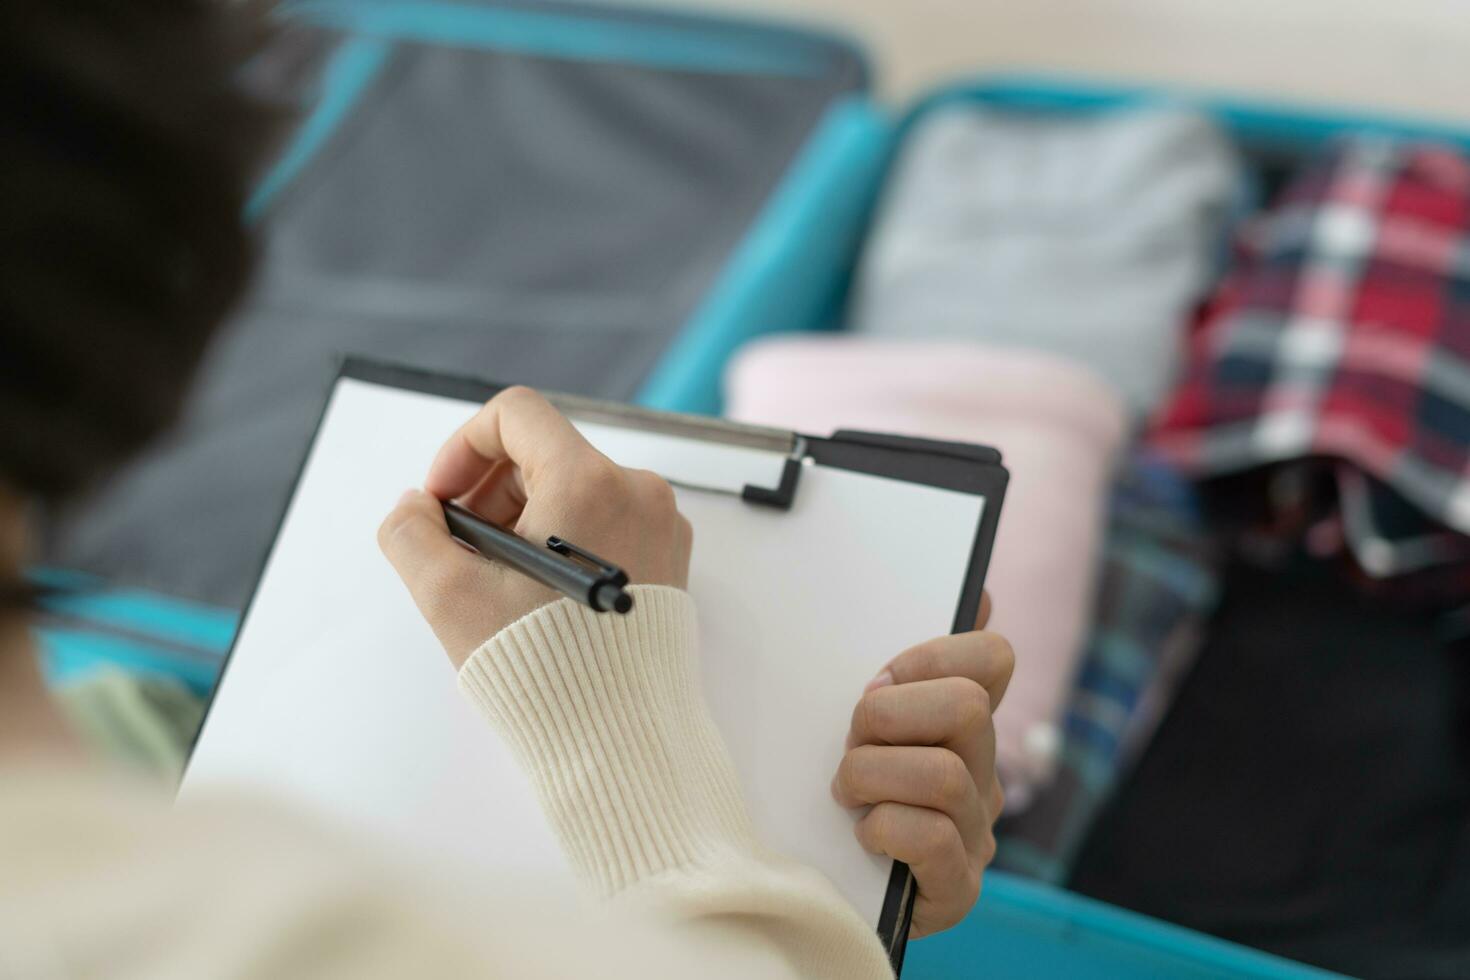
(1408, 56)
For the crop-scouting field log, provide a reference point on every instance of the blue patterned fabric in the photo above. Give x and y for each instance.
(1158, 586)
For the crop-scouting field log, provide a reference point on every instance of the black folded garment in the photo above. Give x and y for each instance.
(1309, 791)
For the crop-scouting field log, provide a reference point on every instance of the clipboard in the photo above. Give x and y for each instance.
(278, 722)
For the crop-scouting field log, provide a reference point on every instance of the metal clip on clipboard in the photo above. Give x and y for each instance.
(790, 444)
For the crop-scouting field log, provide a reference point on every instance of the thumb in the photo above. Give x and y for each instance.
(438, 571)
(983, 616)
(414, 537)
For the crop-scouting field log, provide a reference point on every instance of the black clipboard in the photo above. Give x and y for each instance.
(961, 467)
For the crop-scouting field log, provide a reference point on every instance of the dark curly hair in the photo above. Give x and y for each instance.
(127, 145)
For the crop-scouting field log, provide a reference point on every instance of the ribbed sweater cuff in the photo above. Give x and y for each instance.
(606, 715)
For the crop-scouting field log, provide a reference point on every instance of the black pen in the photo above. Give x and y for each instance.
(561, 565)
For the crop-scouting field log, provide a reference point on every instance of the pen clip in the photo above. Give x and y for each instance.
(612, 574)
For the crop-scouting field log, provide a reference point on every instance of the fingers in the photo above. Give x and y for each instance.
(921, 751)
(920, 776)
(985, 658)
(438, 572)
(518, 425)
(415, 538)
(952, 712)
(932, 712)
(983, 616)
(930, 844)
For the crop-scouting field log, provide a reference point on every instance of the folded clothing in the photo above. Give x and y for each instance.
(1344, 331)
(1058, 427)
(1090, 238)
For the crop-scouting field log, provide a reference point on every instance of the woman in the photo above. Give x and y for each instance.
(127, 152)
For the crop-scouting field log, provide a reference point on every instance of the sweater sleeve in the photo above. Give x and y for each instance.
(606, 715)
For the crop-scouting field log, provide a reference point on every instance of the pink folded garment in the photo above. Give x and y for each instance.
(1058, 426)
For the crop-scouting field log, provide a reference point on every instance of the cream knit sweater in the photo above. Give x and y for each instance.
(103, 880)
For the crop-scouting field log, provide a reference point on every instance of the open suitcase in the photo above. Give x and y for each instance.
(602, 200)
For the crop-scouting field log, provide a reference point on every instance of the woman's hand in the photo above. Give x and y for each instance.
(522, 465)
(921, 753)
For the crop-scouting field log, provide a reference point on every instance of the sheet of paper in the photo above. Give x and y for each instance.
(338, 698)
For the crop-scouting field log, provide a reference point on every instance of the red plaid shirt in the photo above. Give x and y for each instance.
(1344, 331)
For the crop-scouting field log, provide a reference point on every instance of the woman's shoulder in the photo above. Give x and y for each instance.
(106, 872)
